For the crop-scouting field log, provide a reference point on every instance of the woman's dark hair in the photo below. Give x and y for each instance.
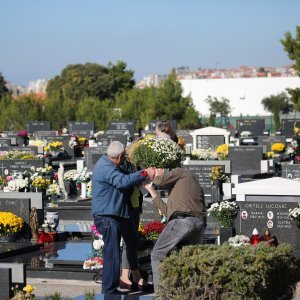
(165, 126)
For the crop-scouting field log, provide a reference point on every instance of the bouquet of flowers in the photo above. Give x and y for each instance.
(292, 149)
(278, 147)
(84, 176)
(16, 183)
(225, 212)
(95, 260)
(217, 173)
(71, 175)
(23, 133)
(239, 240)
(41, 172)
(73, 142)
(153, 229)
(204, 154)
(41, 183)
(222, 152)
(10, 223)
(18, 155)
(54, 146)
(294, 214)
(53, 189)
(156, 152)
(49, 225)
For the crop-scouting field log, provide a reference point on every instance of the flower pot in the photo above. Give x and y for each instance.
(83, 189)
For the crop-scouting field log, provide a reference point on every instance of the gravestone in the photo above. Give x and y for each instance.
(30, 149)
(5, 142)
(20, 207)
(202, 173)
(209, 137)
(9, 166)
(83, 133)
(91, 156)
(65, 141)
(268, 141)
(77, 125)
(287, 127)
(149, 212)
(264, 204)
(13, 135)
(186, 135)
(41, 135)
(105, 139)
(245, 160)
(124, 126)
(290, 171)
(38, 126)
(256, 126)
(153, 124)
(5, 283)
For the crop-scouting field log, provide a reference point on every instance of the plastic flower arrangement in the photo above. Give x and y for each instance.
(294, 214)
(49, 226)
(41, 183)
(156, 152)
(18, 155)
(16, 183)
(3, 182)
(204, 154)
(217, 172)
(278, 147)
(224, 212)
(84, 176)
(269, 155)
(292, 150)
(10, 223)
(239, 240)
(26, 293)
(153, 229)
(53, 189)
(71, 175)
(41, 172)
(95, 260)
(73, 142)
(38, 143)
(222, 152)
(54, 146)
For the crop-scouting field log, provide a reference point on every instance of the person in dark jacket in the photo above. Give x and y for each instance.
(110, 209)
(185, 210)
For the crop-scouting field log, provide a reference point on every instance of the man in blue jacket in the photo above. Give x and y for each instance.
(110, 208)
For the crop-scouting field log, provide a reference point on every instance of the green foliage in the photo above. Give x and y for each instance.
(3, 88)
(89, 295)
(276, 104)
(221, 107)
(225, 272)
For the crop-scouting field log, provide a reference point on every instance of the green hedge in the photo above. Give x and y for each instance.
(226, 272)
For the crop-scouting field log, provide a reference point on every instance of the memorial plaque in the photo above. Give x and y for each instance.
(105, 139)
(209, 141)
(91, 156)
(202, 174)
(125, 126)
(10, 166)
(38, 126)
(19, 207)
(268, 212)
(245, 160)
(76, 125)
(290, 171)
(150, 212)
(41, 135)
(268, 141)
(287, 127)
(256, 126)
(5, 142)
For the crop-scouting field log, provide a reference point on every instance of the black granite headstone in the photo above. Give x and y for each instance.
(9, 166)
(41, 135)
(290, 171)
(245, 160)
(5, 283)
(38, 126)
(125, 126)
(5, 142)
(105, 139)
(149, 212)
(268, 141)
(256, 126)
(185, 134)
(287, 126)
(19, 207)
(202, 173)
(28, 149)
(65, 141)
(209, 141)
(83, 133)
(152, 124)
(91, 156)
(77, 125)
(269, 212)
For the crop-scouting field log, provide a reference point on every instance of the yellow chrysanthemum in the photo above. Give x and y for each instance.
(28, 289)
(278, 147)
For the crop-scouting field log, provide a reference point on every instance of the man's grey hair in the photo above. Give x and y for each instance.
(114, 149)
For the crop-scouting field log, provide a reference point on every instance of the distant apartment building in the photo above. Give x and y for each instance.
(37, 86)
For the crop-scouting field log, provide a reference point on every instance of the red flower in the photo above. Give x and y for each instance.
(154, 227)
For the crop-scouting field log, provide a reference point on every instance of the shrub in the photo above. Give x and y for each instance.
(225, 272)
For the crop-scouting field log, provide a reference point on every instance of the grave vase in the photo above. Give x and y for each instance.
(71, 187)
(225, 234)
(52, 216)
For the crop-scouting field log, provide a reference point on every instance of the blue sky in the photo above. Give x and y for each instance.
(40, 38)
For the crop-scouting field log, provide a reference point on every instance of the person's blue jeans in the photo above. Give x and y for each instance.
(189, 231)
(110, 229)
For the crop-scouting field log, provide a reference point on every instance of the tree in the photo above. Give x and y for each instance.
(3, 88)
(276, 104)
(292, 47)
(216, 108)
(91, 80)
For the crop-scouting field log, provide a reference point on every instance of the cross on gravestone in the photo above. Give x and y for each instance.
(245, 160)
(290, 171)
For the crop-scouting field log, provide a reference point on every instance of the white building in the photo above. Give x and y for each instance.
(245, 94)
(37, 86)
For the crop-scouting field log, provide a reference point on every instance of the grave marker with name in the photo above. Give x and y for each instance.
(124, 126)
(287, 126)
(149, 212)
(105, 139)
(91, 156)
(290, 171)
(65, 141)
(256, 126)
(38, 126)
(10, 166)
(5, 142)
(77, 125)
(209, 141)
(41, 135)
(268, 141)
(245, 160)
